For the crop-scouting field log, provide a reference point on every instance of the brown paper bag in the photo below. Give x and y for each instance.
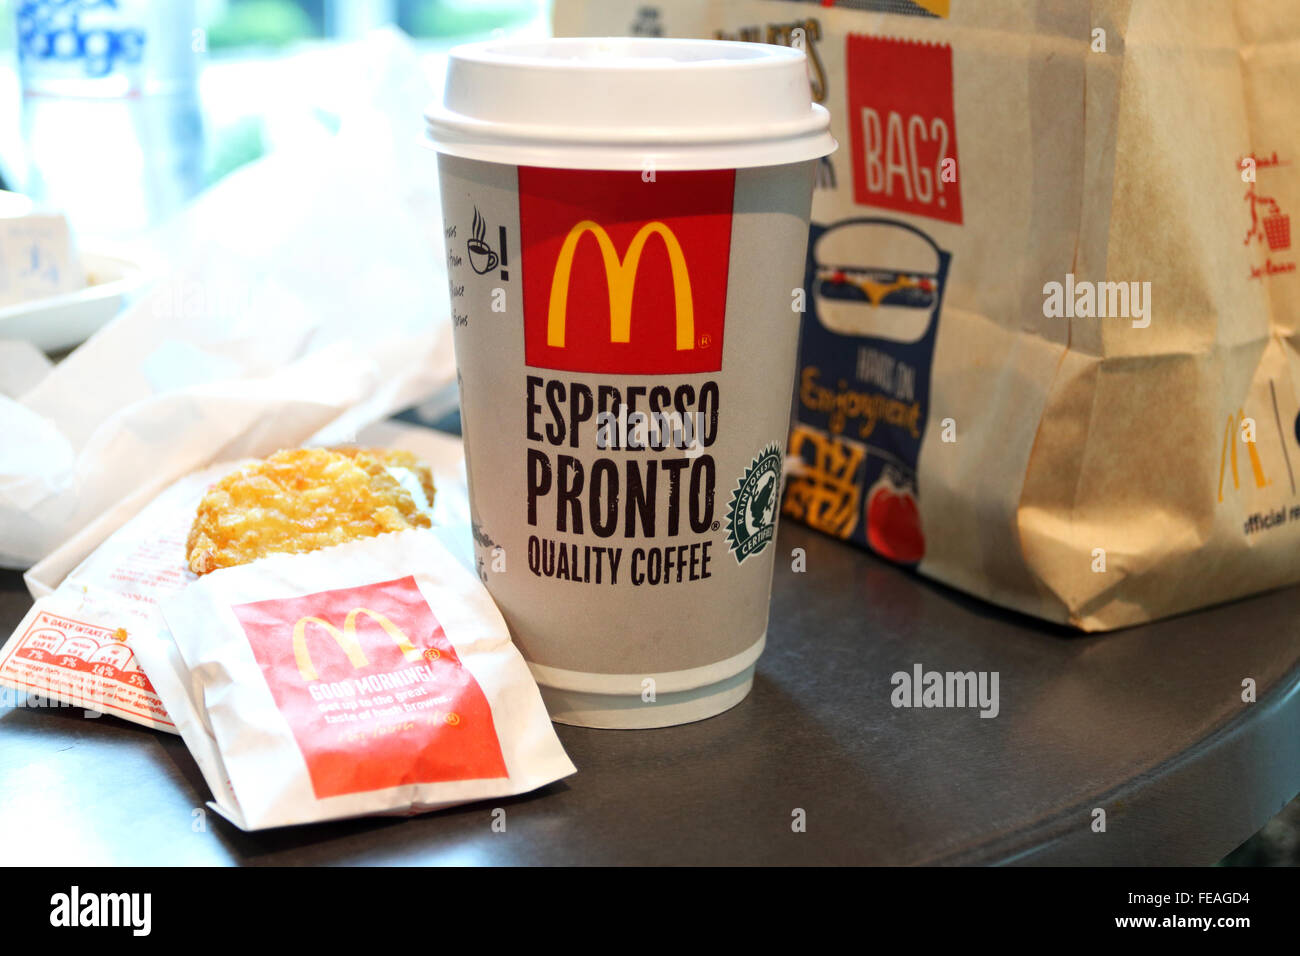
(1051, 347)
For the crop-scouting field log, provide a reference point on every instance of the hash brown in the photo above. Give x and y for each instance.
(305, 499)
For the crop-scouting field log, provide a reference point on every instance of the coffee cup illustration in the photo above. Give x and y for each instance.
(481, 257)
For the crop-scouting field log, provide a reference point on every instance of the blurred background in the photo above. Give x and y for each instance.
(120, 113)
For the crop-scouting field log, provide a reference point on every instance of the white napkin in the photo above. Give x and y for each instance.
(307, 300)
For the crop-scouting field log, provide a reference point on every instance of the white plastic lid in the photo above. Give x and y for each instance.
(629, 103)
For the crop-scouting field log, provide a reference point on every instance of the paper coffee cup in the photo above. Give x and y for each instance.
(626, 224)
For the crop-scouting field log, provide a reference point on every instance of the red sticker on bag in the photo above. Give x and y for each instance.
(372, 688)
(902, 126)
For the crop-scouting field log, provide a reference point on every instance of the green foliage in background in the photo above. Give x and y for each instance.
(453, 18)
(274, 23)
(245, 140)
(267, 23)
(234, 146)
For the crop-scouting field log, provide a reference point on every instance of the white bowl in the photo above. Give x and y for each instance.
(61, 321)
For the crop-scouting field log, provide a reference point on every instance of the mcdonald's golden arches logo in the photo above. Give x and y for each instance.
(622, 275)
(346, 640)
(1232, 437)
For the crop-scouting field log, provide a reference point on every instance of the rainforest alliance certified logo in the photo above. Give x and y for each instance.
(751, 518)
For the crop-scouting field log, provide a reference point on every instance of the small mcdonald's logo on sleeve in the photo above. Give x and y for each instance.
(622, 275)
(346, 640)
(371, 688)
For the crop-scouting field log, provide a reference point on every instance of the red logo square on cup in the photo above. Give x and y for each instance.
(372, 689)
(902, 127)
(625, 272)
